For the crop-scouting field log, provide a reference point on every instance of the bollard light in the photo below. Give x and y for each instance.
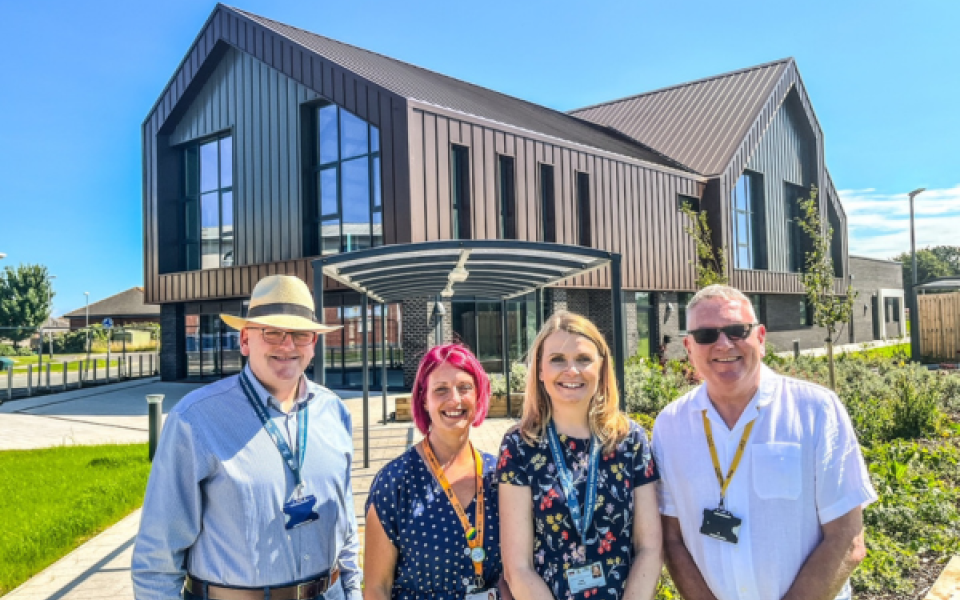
(155, 404)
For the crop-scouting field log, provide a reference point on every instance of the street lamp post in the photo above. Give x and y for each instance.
(87, 329)
(914, 313)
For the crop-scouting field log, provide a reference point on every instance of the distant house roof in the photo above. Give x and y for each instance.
(128, 303)
(416, 83)
(699, 123)
(56, 323)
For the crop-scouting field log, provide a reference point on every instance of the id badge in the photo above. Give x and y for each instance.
(585, 578)
(299, 511)
(491, 594)
(721, 525)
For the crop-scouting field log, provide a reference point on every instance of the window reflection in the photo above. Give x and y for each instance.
(208, 239)
(348, 210)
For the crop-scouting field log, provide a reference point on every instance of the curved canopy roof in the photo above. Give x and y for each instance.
(941, 283)
(498, 269)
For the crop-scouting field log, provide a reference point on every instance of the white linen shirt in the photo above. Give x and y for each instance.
(802, 467)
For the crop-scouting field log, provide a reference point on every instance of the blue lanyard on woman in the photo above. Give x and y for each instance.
(580, 521)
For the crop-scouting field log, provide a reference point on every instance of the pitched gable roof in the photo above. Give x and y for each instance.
(126, 303)
(700, 124)
(416, 83)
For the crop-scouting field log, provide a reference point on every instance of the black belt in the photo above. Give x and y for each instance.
(301, 591)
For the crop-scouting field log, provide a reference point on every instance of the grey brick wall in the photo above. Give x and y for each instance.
(782, 317)
(172, 343)
(668, 324)
(869, 277)
(420, 323)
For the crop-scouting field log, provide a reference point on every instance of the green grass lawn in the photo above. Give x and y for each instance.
(53, 500)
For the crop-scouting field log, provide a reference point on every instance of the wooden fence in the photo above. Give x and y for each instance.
(939, 326)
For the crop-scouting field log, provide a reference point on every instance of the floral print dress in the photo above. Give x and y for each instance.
(557, 545)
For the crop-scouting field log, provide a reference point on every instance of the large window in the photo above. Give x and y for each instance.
(508, 198)
(547, 205)
(748, 222)
(343, 349)
(212, 350)
(584, 237)
(792, 196)
(208, 205)
(349, 210)
(460, 192)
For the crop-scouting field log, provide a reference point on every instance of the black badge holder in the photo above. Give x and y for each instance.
(721, 525)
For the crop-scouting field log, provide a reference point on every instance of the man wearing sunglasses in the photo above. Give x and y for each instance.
(762, 479)
(249, 497)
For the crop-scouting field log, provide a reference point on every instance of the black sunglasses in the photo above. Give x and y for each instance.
(735, 333)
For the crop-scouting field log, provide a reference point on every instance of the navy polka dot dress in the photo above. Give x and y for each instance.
(421, 523)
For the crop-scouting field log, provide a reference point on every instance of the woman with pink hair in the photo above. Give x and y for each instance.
(432, 526)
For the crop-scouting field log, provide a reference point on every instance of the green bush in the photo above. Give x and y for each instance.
(7, 350)
(518, 380)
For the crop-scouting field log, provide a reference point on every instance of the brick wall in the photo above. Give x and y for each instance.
(420, 324)
(869, 277)
(172, 342)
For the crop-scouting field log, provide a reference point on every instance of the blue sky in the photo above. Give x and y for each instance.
(79, 77)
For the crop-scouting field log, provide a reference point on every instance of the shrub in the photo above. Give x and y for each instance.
(518, 379)
(7, 350)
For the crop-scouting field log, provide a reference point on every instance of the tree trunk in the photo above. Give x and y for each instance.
(833, 375)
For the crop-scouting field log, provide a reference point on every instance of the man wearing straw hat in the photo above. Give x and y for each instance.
(249, 497)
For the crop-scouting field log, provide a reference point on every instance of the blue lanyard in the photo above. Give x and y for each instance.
(275, 434)
(580, 521)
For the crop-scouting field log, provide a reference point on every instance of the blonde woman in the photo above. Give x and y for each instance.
(578, 518)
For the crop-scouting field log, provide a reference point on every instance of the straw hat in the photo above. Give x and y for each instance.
(281, 301)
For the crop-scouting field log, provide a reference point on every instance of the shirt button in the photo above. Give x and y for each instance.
(306, 557)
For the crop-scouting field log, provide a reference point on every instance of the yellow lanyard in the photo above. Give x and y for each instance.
(725, 482)
(474, 536)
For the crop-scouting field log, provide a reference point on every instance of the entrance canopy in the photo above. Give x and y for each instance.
(490, 269)
(494, 269)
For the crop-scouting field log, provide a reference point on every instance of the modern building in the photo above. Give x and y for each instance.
(271, 146)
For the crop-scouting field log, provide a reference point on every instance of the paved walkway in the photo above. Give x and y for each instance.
(117, 413)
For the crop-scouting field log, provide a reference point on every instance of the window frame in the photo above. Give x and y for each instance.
(461, 225)
(584, 221)
(192, 192)
(507, 197)
(754, 215)
(373, 160)
(548, 201)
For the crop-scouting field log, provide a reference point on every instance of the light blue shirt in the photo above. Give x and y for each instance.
(214, 502)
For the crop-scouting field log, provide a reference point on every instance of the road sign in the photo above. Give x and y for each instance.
(108, 323)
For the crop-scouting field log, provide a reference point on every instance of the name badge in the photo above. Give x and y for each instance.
(300, 511)
(585, 578)
(491, 594)
(721, 525)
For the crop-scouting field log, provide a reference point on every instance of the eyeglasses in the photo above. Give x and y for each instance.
(710, 335)
(275, 337)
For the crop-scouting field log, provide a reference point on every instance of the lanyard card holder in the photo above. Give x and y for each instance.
(721, 525)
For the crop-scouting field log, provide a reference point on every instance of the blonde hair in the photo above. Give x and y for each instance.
(606, 420)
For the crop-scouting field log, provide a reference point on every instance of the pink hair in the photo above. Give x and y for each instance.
(458, 356)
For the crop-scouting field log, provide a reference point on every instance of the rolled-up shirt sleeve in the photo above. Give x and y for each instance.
(172, 511)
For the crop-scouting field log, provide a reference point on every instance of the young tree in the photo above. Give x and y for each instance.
(830, 310)
(26, 295)
(711, 263)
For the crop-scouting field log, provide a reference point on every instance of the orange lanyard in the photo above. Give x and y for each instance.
(474, 536)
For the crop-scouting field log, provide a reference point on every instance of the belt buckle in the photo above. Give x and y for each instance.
(308, 590)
